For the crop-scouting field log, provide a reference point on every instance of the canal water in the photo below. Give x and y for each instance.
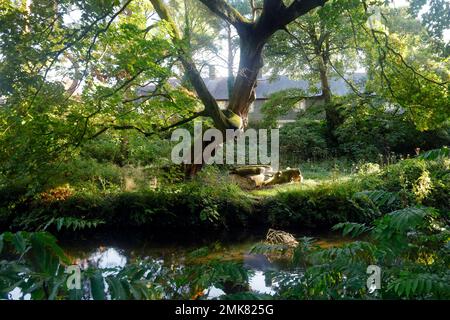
(118, 253)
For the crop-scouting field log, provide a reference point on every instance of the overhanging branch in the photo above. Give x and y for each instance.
(299, 8)
(225, 11)
(211, 107)
(142, 131)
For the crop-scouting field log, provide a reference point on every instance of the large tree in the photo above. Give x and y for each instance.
(253, 35)
(400, 59)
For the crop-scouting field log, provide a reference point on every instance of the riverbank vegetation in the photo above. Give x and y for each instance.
(398, 214)
(212, 201)
(410, 244)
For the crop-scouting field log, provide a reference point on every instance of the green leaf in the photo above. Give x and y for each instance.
(59, 224)
(116, 288)
(429, 285)
(415, 285)
(19, 242)
(75, 294)
(408, 286)
(435, 154)
(354, 229)
(98, 286)
(408, 218)
(1, 243)
(49, 241)
(55, 289)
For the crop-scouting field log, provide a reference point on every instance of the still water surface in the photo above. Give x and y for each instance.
(117, 253)
(112, 254)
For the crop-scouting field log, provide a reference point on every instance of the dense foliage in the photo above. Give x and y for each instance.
(212, 201)
(368, 195)
(370, 131)
(205, 204)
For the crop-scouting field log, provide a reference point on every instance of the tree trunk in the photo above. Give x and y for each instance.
(332, 116)
(243, 93)
(246, 80)
(230, 60)
(325, 85)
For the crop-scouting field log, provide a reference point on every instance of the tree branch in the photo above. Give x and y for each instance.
(299, 8)
(211, 107)
(70, 44)
(145, 133)
(225, 11)
(276, 16)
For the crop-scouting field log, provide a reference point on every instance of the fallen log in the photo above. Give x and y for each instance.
(251, 177)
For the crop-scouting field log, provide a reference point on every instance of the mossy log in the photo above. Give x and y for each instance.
(248, 170)
(250, 177)
(285, 176)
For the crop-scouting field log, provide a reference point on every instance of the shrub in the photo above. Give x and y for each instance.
(367, 133)
(87, 173)
(362, 198)
(302, 140)
(409, 245)
(190, 206)
(320, 207)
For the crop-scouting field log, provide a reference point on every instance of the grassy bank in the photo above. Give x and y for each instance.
(211, 202)
(360, 197)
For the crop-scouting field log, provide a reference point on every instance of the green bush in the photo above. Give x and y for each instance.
(105, 148)
(319, 207)
(427, 181)
(302, 140)
(86, 173)
(190, 206)
(362, 198)
(130, 148)
(370, 131)
(211, 202)
(409, 245)
(145, 151)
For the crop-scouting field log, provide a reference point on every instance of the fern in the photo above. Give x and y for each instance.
(199, 253)
(352, 229)
(435, 154)
(263, 248)
(342, 256)
(408, 218)
(425, 285)
(380, 197)
(74, 223)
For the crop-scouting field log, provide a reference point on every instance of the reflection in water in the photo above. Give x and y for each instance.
(110, 257)
(213, 292)
(17, 294)
(107, 258)
(262, 278)
(258, 283)
(260, 262)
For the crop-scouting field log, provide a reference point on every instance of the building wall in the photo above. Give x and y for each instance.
(256, 115)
